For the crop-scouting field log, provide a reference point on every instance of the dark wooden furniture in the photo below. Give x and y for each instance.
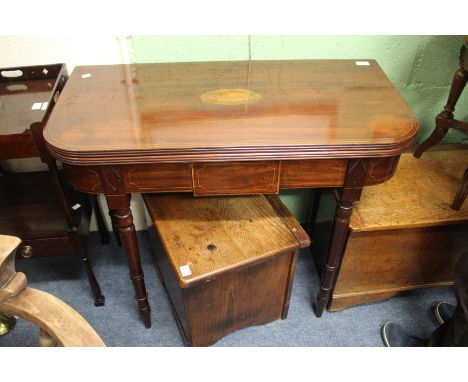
(226, 262)
(59, 324)
(403, 234)
(40, 207)
(445, 121)
(229, 128)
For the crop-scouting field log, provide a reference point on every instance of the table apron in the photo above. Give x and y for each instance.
(223, 178)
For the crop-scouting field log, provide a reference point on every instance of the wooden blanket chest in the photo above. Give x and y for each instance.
(226, 262)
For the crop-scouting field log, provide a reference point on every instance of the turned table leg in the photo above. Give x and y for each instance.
(354, 181)
(119, 209)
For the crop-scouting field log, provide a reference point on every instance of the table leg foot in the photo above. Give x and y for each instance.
(146, 316)
(319, 307)
(99, 301)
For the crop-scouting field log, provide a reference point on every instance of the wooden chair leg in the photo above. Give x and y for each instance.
(99, 299)
(445, 119)
(432, 140)
(461, 193)
(103, 231)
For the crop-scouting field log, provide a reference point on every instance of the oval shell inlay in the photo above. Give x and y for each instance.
(230, 96)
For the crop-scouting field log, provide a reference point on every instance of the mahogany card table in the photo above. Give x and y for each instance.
(229, 128)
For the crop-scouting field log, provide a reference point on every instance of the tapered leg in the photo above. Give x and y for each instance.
(351, 193)
(119, 208)
(77, 243)
(103, 232)
(461, 193)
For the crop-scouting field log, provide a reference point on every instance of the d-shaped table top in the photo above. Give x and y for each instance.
(240, 110)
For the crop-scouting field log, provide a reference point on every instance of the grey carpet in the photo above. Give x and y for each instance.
(119, 324)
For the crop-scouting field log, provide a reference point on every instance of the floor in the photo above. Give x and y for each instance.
(119, 324)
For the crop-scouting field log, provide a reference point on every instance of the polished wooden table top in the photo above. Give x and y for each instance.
(242, 110)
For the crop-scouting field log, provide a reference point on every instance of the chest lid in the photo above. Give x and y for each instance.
(204, 237)
(420, 193)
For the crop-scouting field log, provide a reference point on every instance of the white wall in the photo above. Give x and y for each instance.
(73, 50)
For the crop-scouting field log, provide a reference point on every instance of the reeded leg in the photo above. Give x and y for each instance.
(119, 208)
(337, 245)
(103, 232)
(99, 299)
(461, 193)
(355, 176)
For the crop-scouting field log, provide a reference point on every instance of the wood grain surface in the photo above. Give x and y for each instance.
(236, 178)
(420, 193)
(213, 235)
(254, 295)
(51, 314)
(156, 112)
(395, 260)
(240, 254)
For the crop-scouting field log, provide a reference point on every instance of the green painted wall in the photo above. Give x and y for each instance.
(421, 67)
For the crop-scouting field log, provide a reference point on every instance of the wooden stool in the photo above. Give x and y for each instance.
(226, 262)
(403, 234)
(59, 323)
